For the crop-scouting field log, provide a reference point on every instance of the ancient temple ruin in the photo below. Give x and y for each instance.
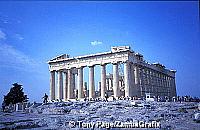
(139, 77)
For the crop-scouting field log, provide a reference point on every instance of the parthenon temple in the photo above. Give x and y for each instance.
(139, 77)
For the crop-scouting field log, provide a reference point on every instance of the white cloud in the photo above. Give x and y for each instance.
(13, 58)
(2, 35)
(94, 43)
(19, 36)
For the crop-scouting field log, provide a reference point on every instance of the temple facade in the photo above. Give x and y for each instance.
(139, 77)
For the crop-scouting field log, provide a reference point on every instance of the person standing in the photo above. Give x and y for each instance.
(45, 98)
(106, 96)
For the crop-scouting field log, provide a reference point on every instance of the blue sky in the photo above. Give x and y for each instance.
(31, 33)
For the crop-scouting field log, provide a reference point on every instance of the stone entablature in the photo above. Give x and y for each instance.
(119, 56)
(89, 60)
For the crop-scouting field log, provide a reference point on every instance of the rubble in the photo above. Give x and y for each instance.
(197, 117)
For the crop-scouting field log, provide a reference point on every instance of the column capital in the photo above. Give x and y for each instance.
(115, 63)
(103, 64)
(91, 66)
(127, 61)
(137, 65)
(64, 71)
(80, 67)
(60, 70)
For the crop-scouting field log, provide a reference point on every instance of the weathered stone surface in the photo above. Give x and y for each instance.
(58, 115)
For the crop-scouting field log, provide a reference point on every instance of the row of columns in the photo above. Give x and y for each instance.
(135, 78)
(109, 82)
(66, 92)
(153, 81)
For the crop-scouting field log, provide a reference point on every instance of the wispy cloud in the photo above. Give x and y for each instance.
(2, 35)
(19, 36)
(13, 58)
(8, 20)
(94, 43)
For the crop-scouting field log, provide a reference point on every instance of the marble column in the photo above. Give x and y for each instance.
(143, 82)
(134, 91)
(158, 79)
(147, 73)
(52, 85)
(153, 80)
(65, 85)
(69, 89)
(168, 82)
(107, 83)
(174, 87)
(73, 85)
(136, 74)
(127, 79)
(162, 81)
(110, 84)
(80, 82)
(120, 82)
(60, 85)
(103, 80)
(85, 90)
(115, 80)
(91, 82)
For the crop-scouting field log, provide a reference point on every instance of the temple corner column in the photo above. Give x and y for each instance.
(52, 85)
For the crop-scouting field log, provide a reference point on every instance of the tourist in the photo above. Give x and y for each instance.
(106, 96)
(45, 98)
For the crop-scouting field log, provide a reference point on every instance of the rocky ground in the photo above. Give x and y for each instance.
(113, 114)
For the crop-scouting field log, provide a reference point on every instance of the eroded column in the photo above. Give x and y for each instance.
(103, 80)
(80, 82)
(127, 79)
(60, 85)
(73, 84)
(52, 85)
(91, 82)
(134, 90)
(174, 86)
(110, 83)
(136, 74)
(65, 85)
(69, 88)
(107, 83)
(115, 80)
